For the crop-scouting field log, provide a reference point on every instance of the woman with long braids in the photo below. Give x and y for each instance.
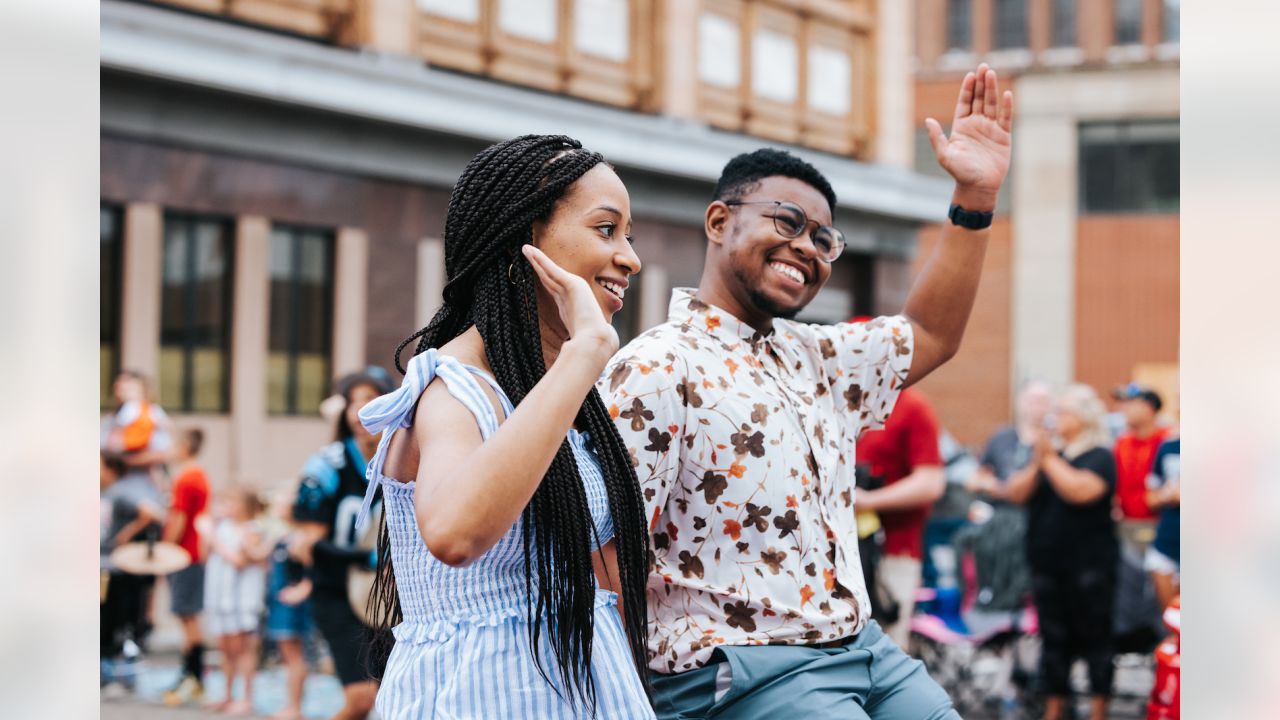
(518, 548)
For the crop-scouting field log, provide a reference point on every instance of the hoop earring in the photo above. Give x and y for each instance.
(510, 278)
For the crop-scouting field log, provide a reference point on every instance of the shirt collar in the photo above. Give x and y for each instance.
(717, 322)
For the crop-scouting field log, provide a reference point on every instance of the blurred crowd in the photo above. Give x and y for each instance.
(1064, 527)
(258, 579)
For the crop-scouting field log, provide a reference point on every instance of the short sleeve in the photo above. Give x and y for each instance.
(183, 497)
(867, 364)
(988, 459)
(1100, 462)
(645, 396)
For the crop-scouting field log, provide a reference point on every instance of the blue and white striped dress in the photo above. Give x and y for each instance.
(463, 648)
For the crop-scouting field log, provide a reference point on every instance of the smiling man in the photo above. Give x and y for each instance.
(742, 427)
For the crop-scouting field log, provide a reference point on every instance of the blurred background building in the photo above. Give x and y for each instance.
(1081, 279)
(275, 175)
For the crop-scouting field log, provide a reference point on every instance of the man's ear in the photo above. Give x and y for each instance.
(716, 222)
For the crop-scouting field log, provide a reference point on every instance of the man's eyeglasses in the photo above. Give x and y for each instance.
(790, 222)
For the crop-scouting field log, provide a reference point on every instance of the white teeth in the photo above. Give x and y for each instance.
(614, 288)
(789, 271)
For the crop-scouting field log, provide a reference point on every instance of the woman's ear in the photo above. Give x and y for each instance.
(539, 234)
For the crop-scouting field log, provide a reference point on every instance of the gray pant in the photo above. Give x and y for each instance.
(186, 590)
(870, 678)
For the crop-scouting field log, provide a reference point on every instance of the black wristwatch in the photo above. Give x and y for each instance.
(969, 218)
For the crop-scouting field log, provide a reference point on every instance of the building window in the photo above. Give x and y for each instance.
(1129, 167)
(300, 340)
(110, 268)
(1128, 17)
(959, 24)
(1170, 20)
(1064, 23)
(1011, 24)
(195, 314)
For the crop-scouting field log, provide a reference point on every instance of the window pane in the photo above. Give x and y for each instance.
(277, 383)
(1171, 20)
(959, 24)
(1011, 24)
(313, 382)
(1128, 22)
(1064, 23)
(208, 381)
(195, 315)
(1129, 167)
(1100, 167)
(300, 324)
(110, 259)
(171, 377)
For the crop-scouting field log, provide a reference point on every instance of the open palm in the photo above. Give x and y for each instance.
(977, 153)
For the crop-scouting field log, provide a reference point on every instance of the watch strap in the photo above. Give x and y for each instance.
(971, 219)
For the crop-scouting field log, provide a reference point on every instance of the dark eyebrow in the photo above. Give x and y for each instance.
(614, 210)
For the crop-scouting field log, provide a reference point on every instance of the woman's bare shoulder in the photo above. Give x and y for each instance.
(468, 349)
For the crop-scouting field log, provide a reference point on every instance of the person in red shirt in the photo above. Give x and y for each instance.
(186, 587)
(1135, 450)
(1137, 615)
(905, 456)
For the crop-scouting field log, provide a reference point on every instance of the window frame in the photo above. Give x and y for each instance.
(226, 226)
(298, 231)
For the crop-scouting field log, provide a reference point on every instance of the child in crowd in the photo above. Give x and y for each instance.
(235, 586)
(136, 419)
(186, 587)
(289, 623)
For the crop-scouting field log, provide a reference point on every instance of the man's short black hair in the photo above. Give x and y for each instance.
(744, 172)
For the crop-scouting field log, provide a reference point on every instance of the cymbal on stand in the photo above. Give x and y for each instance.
(143, 558)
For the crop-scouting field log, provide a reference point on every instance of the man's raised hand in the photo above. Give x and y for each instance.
(977, 153)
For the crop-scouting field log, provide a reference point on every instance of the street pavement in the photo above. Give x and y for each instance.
(321, 697)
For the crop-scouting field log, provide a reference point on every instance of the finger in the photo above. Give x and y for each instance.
(543, 268)
(992, 95)
(936, 137)
(979, 89)
(965, 102)
(1006, 111)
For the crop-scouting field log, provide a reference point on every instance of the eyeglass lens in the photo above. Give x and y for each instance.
(791, 221)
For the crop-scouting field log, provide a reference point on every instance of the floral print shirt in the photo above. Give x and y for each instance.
(744, 447)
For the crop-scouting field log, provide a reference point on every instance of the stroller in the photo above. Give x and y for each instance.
(975, 627)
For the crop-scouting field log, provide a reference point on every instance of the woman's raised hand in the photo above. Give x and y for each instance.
(579, 309)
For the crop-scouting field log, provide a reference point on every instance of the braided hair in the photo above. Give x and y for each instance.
(490, 286)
